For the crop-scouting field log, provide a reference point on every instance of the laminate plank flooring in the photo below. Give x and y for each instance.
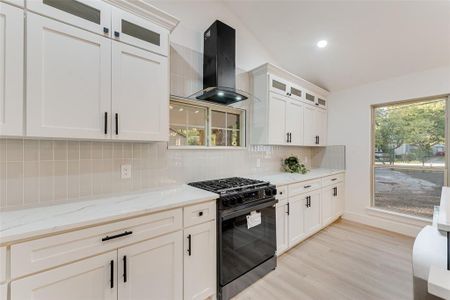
(346, 260)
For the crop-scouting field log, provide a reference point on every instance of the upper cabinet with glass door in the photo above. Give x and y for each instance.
(283, 87)
(139, 32)
(91, 15)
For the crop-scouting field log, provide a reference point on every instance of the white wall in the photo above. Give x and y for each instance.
(349, 118)
(196, 16)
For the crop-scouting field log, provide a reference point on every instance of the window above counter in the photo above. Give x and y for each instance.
(196, 124)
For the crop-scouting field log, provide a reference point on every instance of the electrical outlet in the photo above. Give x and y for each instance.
(125, 171)
(258, 162)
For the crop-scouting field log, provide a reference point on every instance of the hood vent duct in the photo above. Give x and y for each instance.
(219, 65)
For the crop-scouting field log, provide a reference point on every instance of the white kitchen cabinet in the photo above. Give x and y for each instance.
(136, 31)
(68, 81)
(94, 16)
(140, 94)
(11, 70)
(200, 261)
(312, 212)
(329, 204)
(296, 207)
(340, 199)
(153, 267)
(315, 126)
(277, 120)
(294, 123)
(93, 278)
(282, 224)
(285, 113)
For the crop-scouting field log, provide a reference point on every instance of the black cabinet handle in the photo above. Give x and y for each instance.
(317, 104)
(107, 238)
(124, 268)
(318, 139)
(307, 203)
(116, 34)
(288, 209)
(117, 123)
(111, 278)
(290, 137)
(335, 193)
(307, 186)
(189, 237)
(334, 179)
(287, 137)
(200, 213)
(106, 122)
(105, 30)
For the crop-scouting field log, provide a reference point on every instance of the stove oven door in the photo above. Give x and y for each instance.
(242, 248)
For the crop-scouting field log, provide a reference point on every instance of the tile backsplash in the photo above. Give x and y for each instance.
(42, 172)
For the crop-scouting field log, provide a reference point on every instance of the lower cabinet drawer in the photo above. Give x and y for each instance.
(332, 179)
(282, 192)
(37, 255)
(199, 213)
(304, 187)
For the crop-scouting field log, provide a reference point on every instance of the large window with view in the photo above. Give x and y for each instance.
(409, 152)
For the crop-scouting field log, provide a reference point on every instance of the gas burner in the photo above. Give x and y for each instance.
(228, 185)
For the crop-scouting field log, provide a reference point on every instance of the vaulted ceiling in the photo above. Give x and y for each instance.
(367, 40)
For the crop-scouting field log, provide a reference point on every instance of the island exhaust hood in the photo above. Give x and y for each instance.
(219, 66)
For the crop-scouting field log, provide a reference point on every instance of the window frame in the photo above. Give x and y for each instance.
(373, 107)
(210, 106)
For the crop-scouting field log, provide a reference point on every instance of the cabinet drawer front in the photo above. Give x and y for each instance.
(136, 31)
(41, 254)
(199, 213)
(282, 192)
(304, 187)
(94, 16)
(332, 179)
(2, 265)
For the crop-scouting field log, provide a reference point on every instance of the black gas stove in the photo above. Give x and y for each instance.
(237, 192)
(246, 231)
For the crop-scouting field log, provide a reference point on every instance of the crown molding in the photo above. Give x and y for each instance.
(143, 9)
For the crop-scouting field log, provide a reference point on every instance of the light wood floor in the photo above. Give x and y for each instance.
(344, 261)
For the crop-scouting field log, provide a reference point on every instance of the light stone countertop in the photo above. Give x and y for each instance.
(29, 223)
(443, 222)
(281, 178)
(19, 225)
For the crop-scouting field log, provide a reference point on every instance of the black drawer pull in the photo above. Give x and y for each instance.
(124, 268)
(111, 278)
(117, 123)
(307, 186)
(189, 250)
(334, 179)
(105, 30)
(106, 122)
(107, 238)
(288, 209)
(200, 213)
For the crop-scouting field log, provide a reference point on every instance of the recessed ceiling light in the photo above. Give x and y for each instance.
(220, 93)
(322, 44)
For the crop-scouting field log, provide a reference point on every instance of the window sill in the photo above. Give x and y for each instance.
(204, 148)
(398, 217)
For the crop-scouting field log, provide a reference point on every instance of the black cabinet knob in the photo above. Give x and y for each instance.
(116, 33)
(105, 30)
(200, 213)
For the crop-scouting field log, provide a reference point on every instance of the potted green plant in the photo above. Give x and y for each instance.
(292, 164)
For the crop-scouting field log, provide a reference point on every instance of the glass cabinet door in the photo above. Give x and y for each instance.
(278, 85)
(94, 16)
(139, 32)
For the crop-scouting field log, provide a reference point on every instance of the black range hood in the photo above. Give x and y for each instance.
(219, 66)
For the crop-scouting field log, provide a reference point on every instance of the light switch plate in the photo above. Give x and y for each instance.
(125, 171)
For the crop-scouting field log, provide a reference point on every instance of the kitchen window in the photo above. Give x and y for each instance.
(197, 124)
(409, 156)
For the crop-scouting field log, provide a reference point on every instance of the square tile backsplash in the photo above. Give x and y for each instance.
(42, 172)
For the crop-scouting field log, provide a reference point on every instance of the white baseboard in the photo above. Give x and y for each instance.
(387, 223)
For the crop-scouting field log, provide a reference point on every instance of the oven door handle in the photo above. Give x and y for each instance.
(270, 202)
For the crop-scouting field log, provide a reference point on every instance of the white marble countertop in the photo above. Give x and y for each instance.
(281, 178)
(19, 225)
(28, 223)
(444, 210)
